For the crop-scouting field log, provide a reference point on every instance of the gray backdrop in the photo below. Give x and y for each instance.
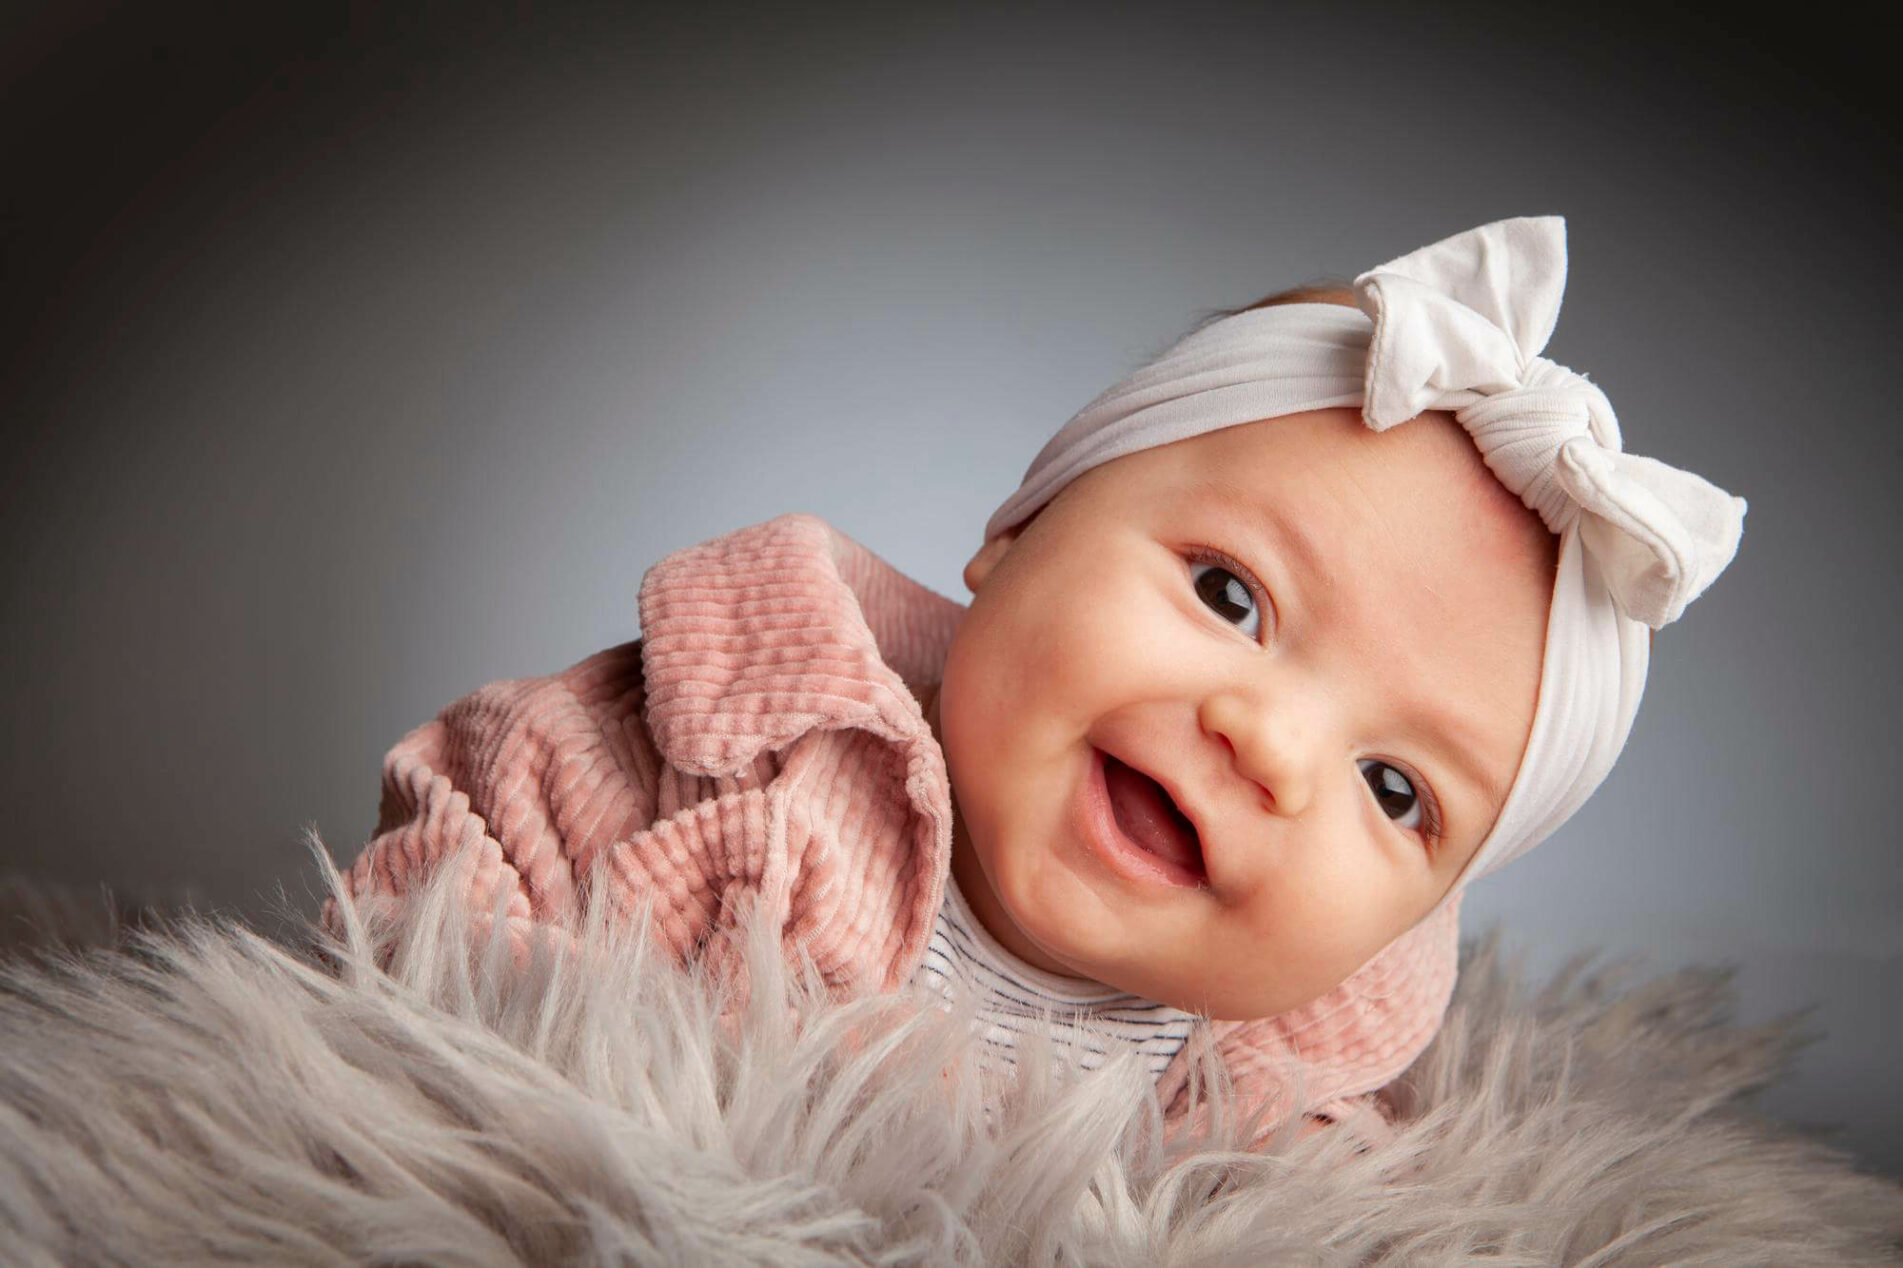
(354, 359)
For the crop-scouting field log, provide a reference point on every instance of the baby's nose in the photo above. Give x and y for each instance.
(1273, 748)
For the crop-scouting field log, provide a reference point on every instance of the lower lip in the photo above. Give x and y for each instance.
(1113, 846)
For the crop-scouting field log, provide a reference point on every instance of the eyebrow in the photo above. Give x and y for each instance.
(1252, 511)
(1255, 513)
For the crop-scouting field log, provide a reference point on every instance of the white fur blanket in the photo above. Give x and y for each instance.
(199, 1093)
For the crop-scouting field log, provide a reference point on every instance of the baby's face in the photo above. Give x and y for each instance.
(1315, 714)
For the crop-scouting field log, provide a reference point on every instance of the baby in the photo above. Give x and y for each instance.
(1254, 681)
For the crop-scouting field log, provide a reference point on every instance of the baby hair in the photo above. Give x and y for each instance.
(1326, 291)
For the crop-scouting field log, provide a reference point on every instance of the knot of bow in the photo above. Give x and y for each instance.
(1459, 326)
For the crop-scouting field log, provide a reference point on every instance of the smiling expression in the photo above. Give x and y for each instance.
(1324, 640)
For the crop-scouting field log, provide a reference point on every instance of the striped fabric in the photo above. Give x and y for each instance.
(963, 955)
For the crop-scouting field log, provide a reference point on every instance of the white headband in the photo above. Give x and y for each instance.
(1459, 326)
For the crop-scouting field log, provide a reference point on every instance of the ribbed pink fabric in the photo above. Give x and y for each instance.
(763, 739)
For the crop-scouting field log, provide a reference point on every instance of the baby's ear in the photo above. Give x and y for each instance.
(987, 558)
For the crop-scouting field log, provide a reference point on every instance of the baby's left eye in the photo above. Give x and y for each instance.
(1395, 793)
(1220, 587)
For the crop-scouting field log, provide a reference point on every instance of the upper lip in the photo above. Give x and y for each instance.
(1183, 804)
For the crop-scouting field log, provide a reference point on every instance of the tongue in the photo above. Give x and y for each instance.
(1148, 817)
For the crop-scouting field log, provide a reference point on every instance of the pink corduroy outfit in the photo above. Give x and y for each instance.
(764, 737)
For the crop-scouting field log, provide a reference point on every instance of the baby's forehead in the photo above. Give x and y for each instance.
(1425, 474)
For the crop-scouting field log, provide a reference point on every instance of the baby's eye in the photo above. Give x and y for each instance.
(1220, 585)
(1392, 789)
(1399, 798)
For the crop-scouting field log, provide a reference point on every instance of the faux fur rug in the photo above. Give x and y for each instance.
(192, 1092)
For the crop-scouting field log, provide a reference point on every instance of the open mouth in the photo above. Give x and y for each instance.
(1147, 815)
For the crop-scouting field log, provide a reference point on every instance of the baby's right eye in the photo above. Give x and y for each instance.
(1227, 588)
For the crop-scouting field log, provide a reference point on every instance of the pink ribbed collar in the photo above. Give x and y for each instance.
(757, 638)
(867, 636)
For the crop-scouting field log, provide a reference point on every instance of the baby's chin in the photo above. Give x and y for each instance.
(1192, 992)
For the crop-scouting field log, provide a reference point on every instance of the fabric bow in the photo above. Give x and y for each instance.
(1459, 326)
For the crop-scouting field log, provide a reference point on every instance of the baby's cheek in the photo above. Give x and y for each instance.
(1317, 931)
